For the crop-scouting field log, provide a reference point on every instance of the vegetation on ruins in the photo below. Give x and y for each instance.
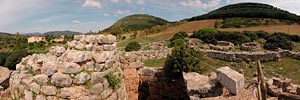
(113, 80)
(183, 59)
(133, 46)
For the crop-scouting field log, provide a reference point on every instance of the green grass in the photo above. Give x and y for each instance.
(289, 66)
(155, 62)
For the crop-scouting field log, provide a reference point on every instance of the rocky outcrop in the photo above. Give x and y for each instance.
(76, 73)
(4, 78)
(230, 79)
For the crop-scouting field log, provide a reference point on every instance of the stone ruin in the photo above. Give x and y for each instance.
(222, 46)
(76, 73)
(158, 45)
(231, 79)
(250, 46)
(276, 86)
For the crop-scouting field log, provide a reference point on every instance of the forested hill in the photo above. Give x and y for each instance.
(249, 10)
(137, 22)
(2, 34)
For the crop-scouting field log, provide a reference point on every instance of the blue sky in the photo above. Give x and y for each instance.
(84, 15)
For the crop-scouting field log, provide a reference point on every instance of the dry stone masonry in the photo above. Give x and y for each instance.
(251, 46)
(76, 73)
(222, 46)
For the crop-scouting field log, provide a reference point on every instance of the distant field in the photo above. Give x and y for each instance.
(290, 29)
(196, 25)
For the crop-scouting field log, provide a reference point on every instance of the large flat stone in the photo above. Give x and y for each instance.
(230, 79)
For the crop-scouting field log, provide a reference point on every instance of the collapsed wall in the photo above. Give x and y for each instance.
(79, 72)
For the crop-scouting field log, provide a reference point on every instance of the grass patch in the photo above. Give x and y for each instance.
(155, 62)
(88, 85)
(286, 67)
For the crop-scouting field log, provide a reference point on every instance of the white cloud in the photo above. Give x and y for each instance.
(128, 1)
(106, 14)
(200, 4)
(13, 11)
(142, 9)
(76, 21)
(48, 19)
(114, 1)
(96, 4)
(140, 2)
(121, 12)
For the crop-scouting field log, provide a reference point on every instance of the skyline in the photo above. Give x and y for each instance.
(27, 16)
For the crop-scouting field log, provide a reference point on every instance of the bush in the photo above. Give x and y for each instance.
(14, 58)
(178, 39)
(207, 35)
(113, 80)
(183, 59)
(177, 42)
(133, 46)
(3, 56)
(278, 40)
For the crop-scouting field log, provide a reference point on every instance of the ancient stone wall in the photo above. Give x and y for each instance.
(251, 46)
(147, 54)
(80, 72)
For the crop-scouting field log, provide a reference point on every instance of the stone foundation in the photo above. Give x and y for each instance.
(77, 73)
(251, 46)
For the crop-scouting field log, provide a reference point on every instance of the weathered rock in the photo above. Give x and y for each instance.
(62, 80)
(57, 50)
(4, 77)
(40, 97)
(109, 63)
(195, 81)
(82, 78)
(35, 88)
(28, 95)
(90, 66)
(106, 93)
(77, 56)
(88, 98)
(71, 68)
(230, 79)
(147, 71)
(101, 57)
(98, 76)
(99, 67)
(96, 89)
(108, 47)
(48, 90)
(136, 65)
(41, 79)
(67, 93)
(49, 68)
(109, 39)
(213, 76)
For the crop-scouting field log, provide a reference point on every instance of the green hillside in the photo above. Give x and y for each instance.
(249, 10)
(57, 33)
(2, 34)
(137, 22)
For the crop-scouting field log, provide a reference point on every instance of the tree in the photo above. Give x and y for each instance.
(178, 39)
(183, 59)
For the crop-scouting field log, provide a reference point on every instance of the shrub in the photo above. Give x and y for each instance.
(183, 59)
(178, 39)
(177, 42)
(113, 80)
(207, 35)
(14, 58)
(3, 56)
(278, 40)
(179, 35)
(133, 46)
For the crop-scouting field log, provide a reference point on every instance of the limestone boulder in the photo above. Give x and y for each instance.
(62, 80)
(102, 57)
(82, 78)
(48, 90)
(4, 77)
(57, 50)
(196, 82)
(71, 68)
(231, 79)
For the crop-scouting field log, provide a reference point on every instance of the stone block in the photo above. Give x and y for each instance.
(230, 79)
